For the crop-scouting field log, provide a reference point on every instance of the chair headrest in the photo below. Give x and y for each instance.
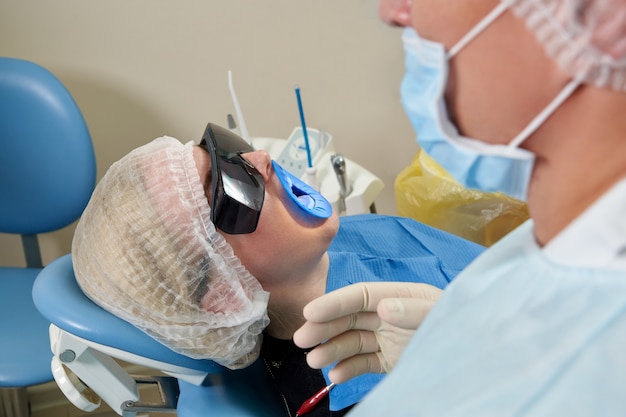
(59, 298)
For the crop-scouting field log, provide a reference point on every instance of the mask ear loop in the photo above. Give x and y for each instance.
(546, 112)
(550, 108)
(479, 27)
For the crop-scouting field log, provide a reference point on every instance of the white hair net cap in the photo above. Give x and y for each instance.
(587, 38)
(146, 250)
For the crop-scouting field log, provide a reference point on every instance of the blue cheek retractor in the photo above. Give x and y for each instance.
(305, 196)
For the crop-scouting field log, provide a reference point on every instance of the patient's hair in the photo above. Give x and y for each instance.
(145, 250)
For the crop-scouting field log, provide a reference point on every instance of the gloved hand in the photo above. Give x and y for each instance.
(364, 327)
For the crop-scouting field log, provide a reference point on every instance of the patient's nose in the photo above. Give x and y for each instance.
(261, 161)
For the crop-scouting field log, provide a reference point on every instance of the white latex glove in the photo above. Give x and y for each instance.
(364, 327)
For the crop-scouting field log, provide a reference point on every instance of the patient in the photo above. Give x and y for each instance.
(148, 250)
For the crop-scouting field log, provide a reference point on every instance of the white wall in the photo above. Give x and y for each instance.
(140, 69)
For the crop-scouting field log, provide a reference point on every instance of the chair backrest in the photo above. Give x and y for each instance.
(47, 161)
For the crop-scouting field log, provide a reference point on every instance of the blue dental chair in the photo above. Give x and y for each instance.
(47, 174)
(87, 343)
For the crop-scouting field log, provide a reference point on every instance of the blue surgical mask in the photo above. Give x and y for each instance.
(473, 163)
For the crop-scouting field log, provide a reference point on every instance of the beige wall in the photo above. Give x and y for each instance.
(140, 69)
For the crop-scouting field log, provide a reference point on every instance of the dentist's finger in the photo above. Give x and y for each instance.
(355, 366)
(344, 346)
(361, 297)
(312, 334)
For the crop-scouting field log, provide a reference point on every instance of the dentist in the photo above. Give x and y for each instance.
(527, 97)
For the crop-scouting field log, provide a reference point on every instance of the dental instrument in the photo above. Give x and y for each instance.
(339, 166)
(312, 402)
(231, 121)
(310, 170)
(242, 124)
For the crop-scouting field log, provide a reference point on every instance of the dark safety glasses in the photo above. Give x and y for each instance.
(238, 188)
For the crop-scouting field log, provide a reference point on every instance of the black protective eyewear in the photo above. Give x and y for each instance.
(238, 188)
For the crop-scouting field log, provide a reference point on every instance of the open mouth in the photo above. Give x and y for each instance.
(305, 196)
